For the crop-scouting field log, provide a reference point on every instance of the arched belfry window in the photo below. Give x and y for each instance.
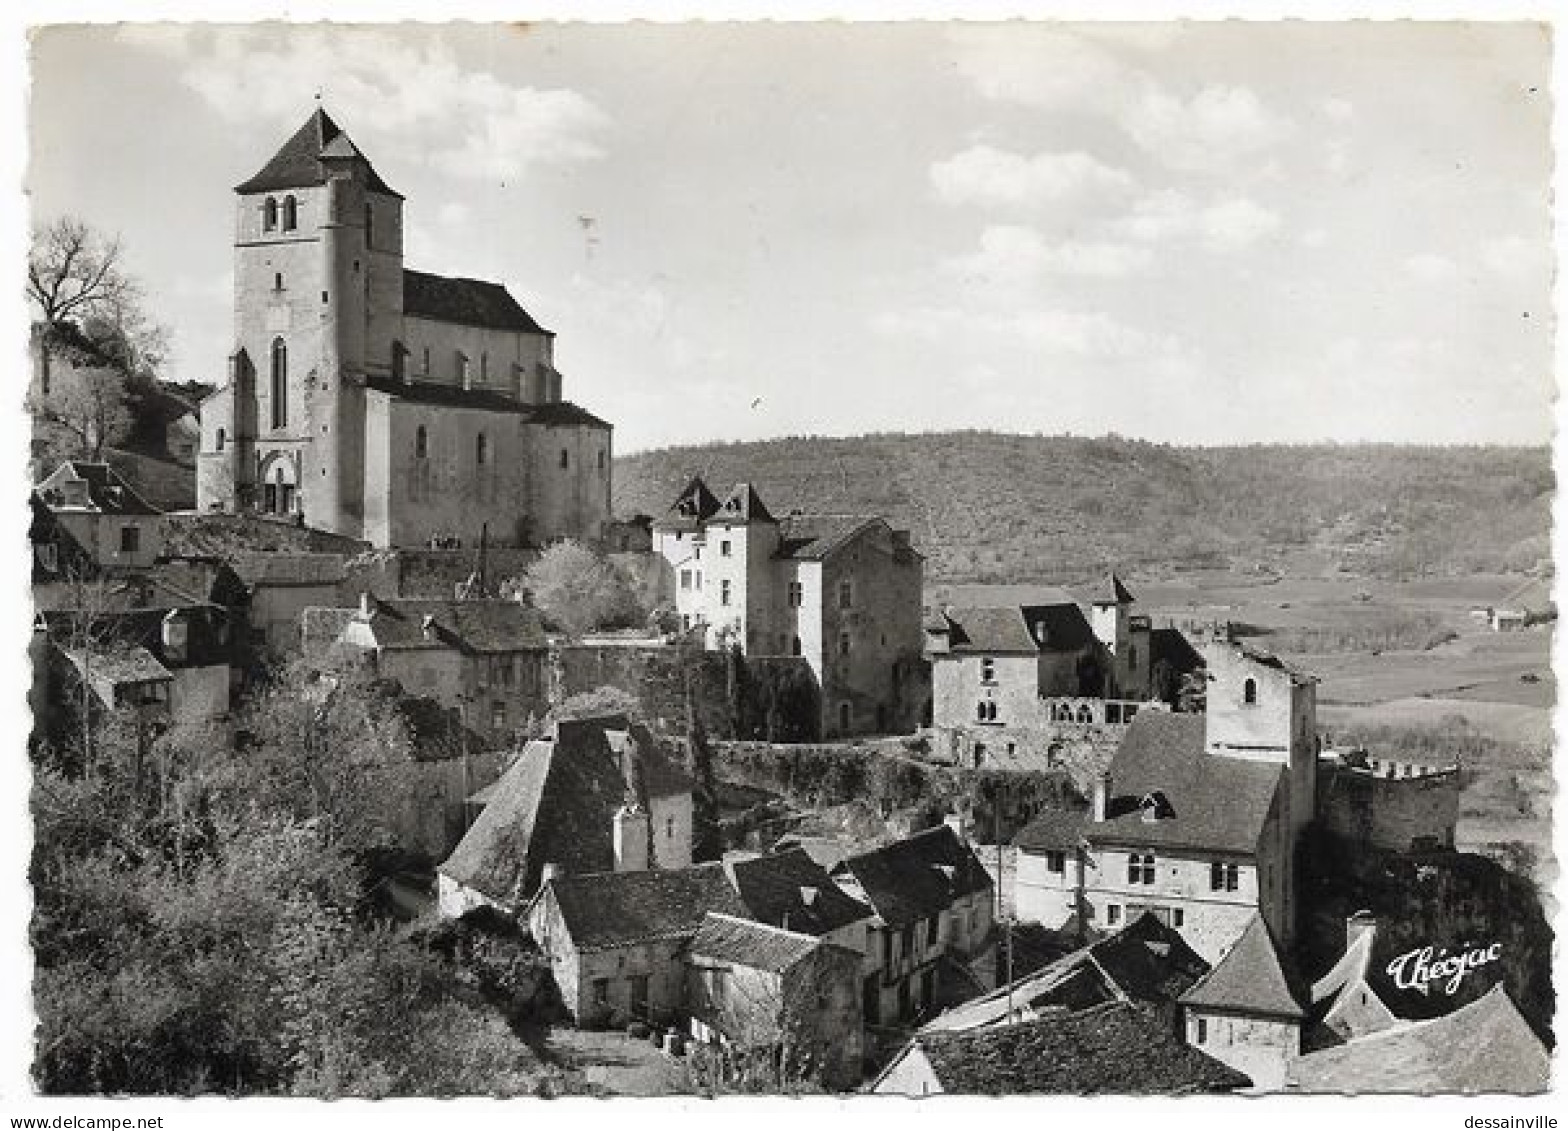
(280, 383)
(481, 449)
(222, 439)
(290, 214)
(269, 215)
(421, 443)
(1249, 692)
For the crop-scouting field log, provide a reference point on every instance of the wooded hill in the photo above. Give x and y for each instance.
(991, 507)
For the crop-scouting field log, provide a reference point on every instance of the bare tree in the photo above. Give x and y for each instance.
(74, 272)
(78, 418)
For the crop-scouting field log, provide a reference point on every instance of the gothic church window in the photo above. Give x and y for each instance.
(290, 214)
(269, 215)
(280, 383)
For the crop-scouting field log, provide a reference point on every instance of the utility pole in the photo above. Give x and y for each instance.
(1001, 908)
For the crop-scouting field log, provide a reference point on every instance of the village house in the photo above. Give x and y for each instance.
(779, 1000)
(932, 903)
(594, 795)
(282, 586)
(617, 941)
(378, 402)
(114, 526)
(841, 592)
(1250, 1010)
(1144, 962)
(488, 658)
(790, 890)
(1114, 1048)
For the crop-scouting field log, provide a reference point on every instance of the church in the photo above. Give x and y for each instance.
(378, 402)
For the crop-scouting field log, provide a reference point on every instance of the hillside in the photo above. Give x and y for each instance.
(997, 508)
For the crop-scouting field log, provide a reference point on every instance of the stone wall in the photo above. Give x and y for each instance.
(1392, 814)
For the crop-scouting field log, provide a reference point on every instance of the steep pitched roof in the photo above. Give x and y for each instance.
(555, 805)
(1015, 629)
(1145, 961)
(812, 537)
(692, 507)
(467, 302)
(1111, 591)
(1251, 978)
(298, 163)
(1486, 1046)
(790, 889)
(78, 485)
(489, 625)
(742, 942)
(1215, 803)
(915, 878)
(743, 504)
(607, 910)
(1115, 1048)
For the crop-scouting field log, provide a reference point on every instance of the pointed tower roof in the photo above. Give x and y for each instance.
(694, 505)
(743, 504)
(1111, 591)
(1251, 978)
(298, 163)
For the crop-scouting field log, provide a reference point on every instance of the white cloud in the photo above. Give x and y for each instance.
(1430, 268)
(1035, 65)
(1227, 225)
(377, 82)
(995, 177)
(1215, 127)
(1090, 335)
(1010, 254)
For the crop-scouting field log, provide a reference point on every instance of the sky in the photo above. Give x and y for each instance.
(1190, 233)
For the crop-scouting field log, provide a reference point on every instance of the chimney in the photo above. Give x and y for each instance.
(367, 604)
(1102, 793)
(956, 822)
(1357, 925)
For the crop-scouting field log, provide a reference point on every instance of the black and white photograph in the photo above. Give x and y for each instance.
(881, 558)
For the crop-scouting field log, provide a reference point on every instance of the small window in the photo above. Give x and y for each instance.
(1056, 862)
(290, 214)
(932, 926)
(222, 439)
(1203, 1030)
(843, 643)
(724, 592)
(481, 449)
(686, 579)
(370, 224)
(1178, 917)
(669, 828)
(269, 215)
(566, 459)
(399, 356)
(797, 594)
(498, 715)
(484, 368)
(130, 539)
(1249, 692)
(421, 443)
(846, 594)
(724, 548)
(843, 716)
(426, 361)
(277, 280)
(987, 670)
(794, 645)
(601, 459)
(1113, 913)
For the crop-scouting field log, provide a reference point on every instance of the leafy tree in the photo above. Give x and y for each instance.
(579, 590)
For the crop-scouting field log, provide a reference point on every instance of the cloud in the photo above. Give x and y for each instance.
(1088, 335)
(1218, 126)
(1010, 254)
(995, 177)
(1227, 225)
(1032, 65)
(384, 83)
(1430, 268)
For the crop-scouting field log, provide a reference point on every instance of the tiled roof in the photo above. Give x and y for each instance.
(790, 889)
(692, 507)
(119, 666)
(615, 909)
(1217, 804)
(743, 942)
(1145, 961)
(1020, 628)
(1486, 1046)
(555, 805)
(490, 625)
(1251, 978)
(743, 504)
(1053, 829)
(557, 414)
(811, 537)
(101, 490)
(467, 302)
(298, 163)
(1116, 1049)
(915, 878)
(283, 569)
